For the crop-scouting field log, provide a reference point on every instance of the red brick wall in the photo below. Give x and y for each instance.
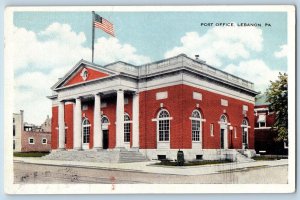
(37, 146)
(69, 123)
(54, 130)
(180, 104)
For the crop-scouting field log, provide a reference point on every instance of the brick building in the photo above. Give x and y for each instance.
(29, 137)
(266, 137)
(156, 109)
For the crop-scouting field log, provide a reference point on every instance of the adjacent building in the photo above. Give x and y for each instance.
(29, 137)
(155, 108)
(265, 136)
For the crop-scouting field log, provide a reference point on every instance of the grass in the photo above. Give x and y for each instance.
(193, 163)
(269, 157)
(30, 154)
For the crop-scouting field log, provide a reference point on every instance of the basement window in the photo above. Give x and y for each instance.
(199, 157)
(161, 157)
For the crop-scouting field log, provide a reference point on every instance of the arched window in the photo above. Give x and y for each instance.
(126, 128)
(223, 119)
(245, 132)
(163, 120)
(196, 125)
(104, 120)
(86, 130)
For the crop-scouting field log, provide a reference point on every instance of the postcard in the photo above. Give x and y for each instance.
(150, 99)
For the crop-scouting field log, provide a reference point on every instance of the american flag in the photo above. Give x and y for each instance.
(105, 25)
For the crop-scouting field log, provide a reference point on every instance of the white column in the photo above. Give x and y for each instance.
(120, 119)
(77, 125)
(135, 121)
(61, 125)
(97, 123)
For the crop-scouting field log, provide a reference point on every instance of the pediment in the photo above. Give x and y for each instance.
(83, 72)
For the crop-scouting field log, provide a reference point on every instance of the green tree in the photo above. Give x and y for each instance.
(277, 96)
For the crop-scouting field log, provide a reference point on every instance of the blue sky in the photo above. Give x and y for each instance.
(49, 43)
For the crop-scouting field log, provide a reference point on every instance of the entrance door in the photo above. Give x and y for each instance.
(105, 139)
(222, 138)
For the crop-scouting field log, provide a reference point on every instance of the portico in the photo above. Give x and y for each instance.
(78, 117)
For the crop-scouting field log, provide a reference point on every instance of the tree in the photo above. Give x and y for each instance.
(277, 96)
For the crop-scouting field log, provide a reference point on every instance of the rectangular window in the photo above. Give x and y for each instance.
(195, 130)
(31, 140)
(14, 131)
(211, 129)
(245, 108)
(163, 130)
(14, 144)
(261, 121)
(126, 132)
(44, 141)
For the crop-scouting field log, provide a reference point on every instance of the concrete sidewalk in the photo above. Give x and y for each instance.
(149, 167)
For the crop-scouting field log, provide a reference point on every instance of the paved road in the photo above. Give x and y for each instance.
(39, 173)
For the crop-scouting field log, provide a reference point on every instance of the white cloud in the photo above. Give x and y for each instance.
(220, 43)
(39, 59)
(255, 71)
(282, 52)
(110, 49)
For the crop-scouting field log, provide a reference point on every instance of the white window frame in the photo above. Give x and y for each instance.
(245, 128)
(198, 122)
(31, 138)
(127, 126)
(259, 122)
(88, 128)
(43, 140)
(158, 119)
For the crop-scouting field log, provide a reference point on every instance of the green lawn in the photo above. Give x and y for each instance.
(269, 157)
(30, 154)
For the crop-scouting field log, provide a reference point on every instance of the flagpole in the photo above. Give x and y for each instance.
(93, 35)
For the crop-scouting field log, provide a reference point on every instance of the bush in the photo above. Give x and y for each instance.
(30, 154)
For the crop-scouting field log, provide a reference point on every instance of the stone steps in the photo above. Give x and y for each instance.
(241, 158)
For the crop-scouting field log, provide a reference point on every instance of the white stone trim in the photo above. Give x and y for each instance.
(61, 125)
(135, 120)
(224, 102)
(161, 95)
(245, 108)
(197, 119)
(97, 123)
(197, 96)
(262, 128)
(120, 119)
(173, 80)
(77, 124)
(166, 118)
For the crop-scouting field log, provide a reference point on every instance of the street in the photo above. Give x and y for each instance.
(53, 174)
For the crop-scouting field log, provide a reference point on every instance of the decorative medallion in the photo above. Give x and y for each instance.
(84, 74)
